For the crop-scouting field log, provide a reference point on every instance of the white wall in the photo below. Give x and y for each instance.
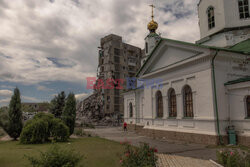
(237, 107)
(227, 69)
(226, 16)
(129, 97)
(232, 16)
(198, 77)
(229, 38)
(203, 19)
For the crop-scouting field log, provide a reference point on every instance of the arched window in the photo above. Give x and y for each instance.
(248, 106)
(188, 101)
(172, 103)
(210, 16)
(130, 109)
(243, 9)
(159, 104)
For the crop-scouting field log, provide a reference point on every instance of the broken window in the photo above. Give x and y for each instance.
(117, 51)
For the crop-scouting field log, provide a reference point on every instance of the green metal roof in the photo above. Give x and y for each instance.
(245, 79)
(243, 46)
(192, 44)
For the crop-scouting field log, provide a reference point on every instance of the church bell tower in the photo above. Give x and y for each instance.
(223, 23)
(152, 38)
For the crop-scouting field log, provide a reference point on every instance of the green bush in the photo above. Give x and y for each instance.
(232, 158)
(56, 157)
(59, 131)
(46, 117)
(34, 132)
(143, 156)
(43, 127)
(79, 132)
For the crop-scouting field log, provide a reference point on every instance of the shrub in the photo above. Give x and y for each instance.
(46, 117)
(232, 158)
(79, 132)
(34, 132)
(59, 131)
(43, 127)
(142, 156)
(55, 156)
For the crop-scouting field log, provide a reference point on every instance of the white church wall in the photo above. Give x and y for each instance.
(226, 69)
(129, 97)
(226, 17)
(203, 18)
(200, 82)
(237, 107)
(232, 17)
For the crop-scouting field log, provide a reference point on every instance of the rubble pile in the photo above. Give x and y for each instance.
(89, 112)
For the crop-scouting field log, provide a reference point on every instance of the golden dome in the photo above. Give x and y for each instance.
(152, 26)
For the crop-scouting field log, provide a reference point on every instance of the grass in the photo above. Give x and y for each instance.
(97, 151)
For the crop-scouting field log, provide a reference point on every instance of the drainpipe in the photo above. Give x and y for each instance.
(215, 100)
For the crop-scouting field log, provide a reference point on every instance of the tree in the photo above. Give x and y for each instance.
(57, 104)
(4, 118)
(69, 112)
(15, 124)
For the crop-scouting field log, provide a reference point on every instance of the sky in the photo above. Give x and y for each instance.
(49, 46)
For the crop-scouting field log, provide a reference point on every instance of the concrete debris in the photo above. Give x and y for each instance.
(90, 112)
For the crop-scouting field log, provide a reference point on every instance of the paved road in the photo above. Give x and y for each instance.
(163, 146)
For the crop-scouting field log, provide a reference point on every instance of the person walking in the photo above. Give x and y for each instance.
(125, 126)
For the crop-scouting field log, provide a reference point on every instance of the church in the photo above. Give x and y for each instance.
(204, 88)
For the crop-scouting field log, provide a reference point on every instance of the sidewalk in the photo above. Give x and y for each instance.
(166, 160)
(175, 148)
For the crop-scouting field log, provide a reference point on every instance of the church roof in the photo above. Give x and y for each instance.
(235, 50)
(243, 46)
(245, 79)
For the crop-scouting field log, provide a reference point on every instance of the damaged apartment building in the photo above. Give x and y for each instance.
(117, 60)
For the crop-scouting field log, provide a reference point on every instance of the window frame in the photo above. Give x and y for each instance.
(247, 99)
(172, 105)
(245, 9)
(157, 95)
(130, 110)
(190, 102)
(211, 17)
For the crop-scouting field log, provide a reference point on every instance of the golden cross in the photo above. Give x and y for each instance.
(152, 11)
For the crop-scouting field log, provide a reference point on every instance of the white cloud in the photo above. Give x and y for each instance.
(43, 88)
(43, 41)
(5, 101)
(5, 93)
